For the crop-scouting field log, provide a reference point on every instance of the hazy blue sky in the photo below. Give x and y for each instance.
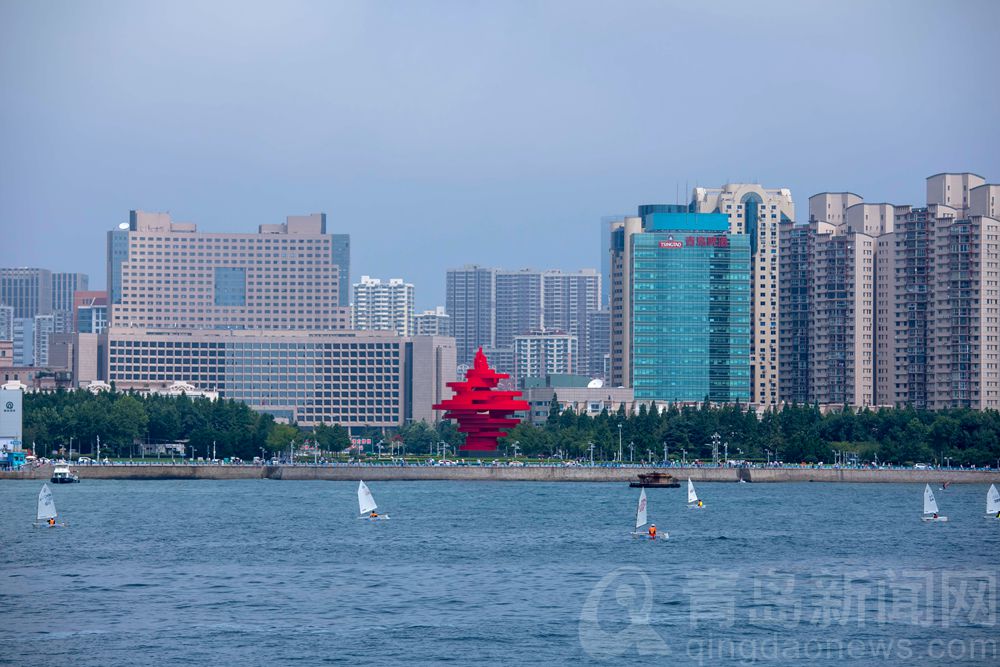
(440, 133)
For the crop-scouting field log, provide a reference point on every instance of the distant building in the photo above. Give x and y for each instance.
(435, 322)
(568, 299)
(6, 353)
(64, 286)
(519, 304)
(576, 393)
(165, 274)
(680, 307)
(471, 305)
(544, 352)
(24, 341)
(28, 291)
(379, 306)
(6, 323)
(757, 212)
(598, 344)
(356, 379)
(90, 311)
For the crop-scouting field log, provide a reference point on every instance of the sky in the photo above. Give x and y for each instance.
(444, 133)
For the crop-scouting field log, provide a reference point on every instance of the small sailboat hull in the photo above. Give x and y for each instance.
(45, 525)
(645, 536)
(380, 517)
(939, 519)
(694, 506)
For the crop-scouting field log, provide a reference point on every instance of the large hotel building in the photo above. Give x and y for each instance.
(260, 318)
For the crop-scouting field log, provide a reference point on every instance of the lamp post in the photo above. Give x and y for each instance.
(619, 442)
(631, 452)
(665, 450)
(592, 454)
(517, 447)
(684, 457)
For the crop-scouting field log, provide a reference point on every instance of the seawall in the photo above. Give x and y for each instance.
(510, 474)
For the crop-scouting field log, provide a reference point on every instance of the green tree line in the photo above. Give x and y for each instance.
(792, 433)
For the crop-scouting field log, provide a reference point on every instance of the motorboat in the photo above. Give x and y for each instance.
(61, 474)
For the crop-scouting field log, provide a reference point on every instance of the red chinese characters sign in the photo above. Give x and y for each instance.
(697, 242)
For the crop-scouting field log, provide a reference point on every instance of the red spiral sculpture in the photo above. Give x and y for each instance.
(483, 413)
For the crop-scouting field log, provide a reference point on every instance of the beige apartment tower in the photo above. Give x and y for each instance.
(757, 212)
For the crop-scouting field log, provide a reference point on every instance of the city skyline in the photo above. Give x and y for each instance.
(422, 157)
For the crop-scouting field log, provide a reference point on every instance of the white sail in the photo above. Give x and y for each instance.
(366, 503)
(640, 512)
(692, 496)
(930, 505)
(46, 507)
(992, 500)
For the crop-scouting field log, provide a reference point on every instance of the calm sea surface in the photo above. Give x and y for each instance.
(275, 573)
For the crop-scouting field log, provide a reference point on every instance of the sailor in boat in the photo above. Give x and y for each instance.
(652, 531)
(373, 515)
(935, 515)
(52, 521)
(700, 504)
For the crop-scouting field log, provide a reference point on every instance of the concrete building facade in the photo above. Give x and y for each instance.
(356, 379)
(166, 274)
(27, 290)
(64, 286)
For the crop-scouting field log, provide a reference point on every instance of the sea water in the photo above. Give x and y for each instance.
(260, 572)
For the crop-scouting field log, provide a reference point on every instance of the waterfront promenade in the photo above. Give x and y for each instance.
(505, 473)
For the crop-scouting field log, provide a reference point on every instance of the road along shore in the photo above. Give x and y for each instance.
(509, 473)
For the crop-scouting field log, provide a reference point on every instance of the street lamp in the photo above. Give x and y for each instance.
(592, 454)
(631, 452)
(516, 445)
(619, 442)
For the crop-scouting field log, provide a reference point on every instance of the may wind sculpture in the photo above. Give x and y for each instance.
(482, 411)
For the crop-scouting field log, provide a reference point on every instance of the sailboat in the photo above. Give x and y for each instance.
(46, 515)
(993, 503)
(640, 520)
(366, 504)
(930, 506)
(693, 502)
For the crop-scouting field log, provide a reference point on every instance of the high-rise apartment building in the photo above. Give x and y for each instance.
(568, 299)
(470, 300)
(165, 274)
(28, 291)
(519, 304)
(963, 309)
(599, 344)
(538, 354)
(379, 306)
(828, 301)
(435, 322)
(680, 306)
(757, 213)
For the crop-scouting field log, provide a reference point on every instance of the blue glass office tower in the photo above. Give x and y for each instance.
(689, 301)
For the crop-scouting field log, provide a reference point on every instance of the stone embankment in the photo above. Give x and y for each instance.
(509, 473)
